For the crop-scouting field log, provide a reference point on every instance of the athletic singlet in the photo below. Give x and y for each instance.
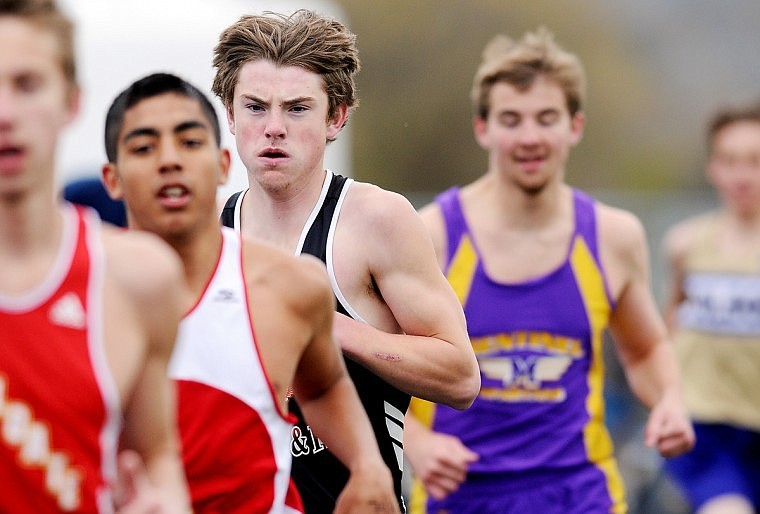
(59, 405)
(319, 475)
(240, 464)
(539, 347)
(718, 341)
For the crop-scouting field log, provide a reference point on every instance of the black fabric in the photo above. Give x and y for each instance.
(318, 474)
(228, 213)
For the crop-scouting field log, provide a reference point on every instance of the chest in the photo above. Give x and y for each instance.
(563, 294)
(509, 256)
(216, 347)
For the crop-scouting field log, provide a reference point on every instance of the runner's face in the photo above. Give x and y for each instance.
(168, 166)
(734, 167)
(36, 103)
(529, 134)
(279, 119)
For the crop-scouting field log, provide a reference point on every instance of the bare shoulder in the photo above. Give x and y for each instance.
(432, 217)
(377, 204)
(299, 281)
(620, 231)
(681, 236)
(141, 263)
(386, 213)
(623, 247)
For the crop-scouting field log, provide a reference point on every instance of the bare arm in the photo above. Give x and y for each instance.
(640, 335)
(431, 357)
(432, 217)
(440, 461)
(150, 427)
(676, 242)
(330, 404)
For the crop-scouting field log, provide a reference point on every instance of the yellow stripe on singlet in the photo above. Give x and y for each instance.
(460, 274)
(596, 437)
(462, 269)
(423, 410)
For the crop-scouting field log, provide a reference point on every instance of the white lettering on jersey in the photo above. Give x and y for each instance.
(31, 439)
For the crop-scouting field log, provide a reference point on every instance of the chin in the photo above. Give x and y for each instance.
(533, 189)
(274, 182)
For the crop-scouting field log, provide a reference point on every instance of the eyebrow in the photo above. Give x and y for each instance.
(152, 132)
(287, 103)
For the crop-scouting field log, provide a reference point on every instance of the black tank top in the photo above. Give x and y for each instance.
(318, 474)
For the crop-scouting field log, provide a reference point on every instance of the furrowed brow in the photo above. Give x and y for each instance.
(299, 100)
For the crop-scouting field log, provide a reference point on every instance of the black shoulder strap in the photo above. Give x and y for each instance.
(228, 213)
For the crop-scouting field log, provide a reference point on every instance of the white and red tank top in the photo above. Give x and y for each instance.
(235, 438)
(59, 406)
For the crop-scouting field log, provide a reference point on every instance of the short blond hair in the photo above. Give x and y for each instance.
(520, 63)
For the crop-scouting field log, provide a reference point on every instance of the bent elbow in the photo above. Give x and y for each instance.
(466, 391)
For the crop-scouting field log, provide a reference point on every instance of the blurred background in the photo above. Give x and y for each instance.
(656, 69)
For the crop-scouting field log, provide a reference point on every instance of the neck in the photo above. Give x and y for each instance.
(30, 236)
(743, 222)
(29, 222)
(199, 253)
(279, 216)
(521, 208)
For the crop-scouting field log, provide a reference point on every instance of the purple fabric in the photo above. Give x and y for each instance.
(525, 418)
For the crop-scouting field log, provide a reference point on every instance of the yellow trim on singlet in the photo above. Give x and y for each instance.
(423, 411)
(418, 498)
(462, 269)
(597, 439)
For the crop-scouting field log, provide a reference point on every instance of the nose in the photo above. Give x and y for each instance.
(6, 108)
(275, 124)
(169, 156)
(529, 133)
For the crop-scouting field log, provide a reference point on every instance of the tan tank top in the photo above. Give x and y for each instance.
(718, 343)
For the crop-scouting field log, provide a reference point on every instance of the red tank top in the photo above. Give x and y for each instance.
(58, 403)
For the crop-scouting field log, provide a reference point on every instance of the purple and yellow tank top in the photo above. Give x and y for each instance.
(539, 347)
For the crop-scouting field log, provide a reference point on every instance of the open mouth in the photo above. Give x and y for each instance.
(10, 158)
(529, 157)
(530, 160)
(273, 153)
(174, 196)
(9, 151)
(173, 191)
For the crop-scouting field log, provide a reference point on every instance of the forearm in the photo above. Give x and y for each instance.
(431, 368)
(655, 381)
(655, 375)
(414, 430)
(333, 417)
(415, 434)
